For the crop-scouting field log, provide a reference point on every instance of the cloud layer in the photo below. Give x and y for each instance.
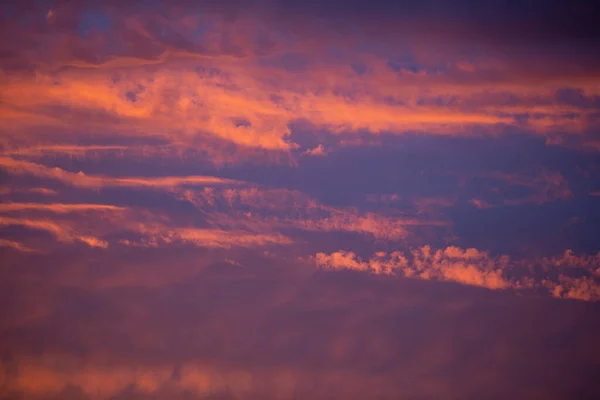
(272, 199)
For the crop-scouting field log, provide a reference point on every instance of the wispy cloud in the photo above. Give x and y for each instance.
(15, 245)
(61, 232)
(71, 150)
(35, 190)
(19, 167)
(57, 207)
(281, 208)
(213, 238)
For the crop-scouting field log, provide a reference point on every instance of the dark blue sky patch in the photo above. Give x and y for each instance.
(94, 20)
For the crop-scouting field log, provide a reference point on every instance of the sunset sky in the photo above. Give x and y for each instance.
(299, 200)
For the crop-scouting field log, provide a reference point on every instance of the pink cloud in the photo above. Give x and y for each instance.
(476, 268)
(80, 179)
(61, 232)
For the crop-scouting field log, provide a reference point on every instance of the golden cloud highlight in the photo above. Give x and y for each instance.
(181, 97)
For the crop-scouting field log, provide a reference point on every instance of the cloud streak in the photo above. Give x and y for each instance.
(59, 231)
(57, 207)
(280, 208)
(15, 245)
(19, 167)
(477, 268)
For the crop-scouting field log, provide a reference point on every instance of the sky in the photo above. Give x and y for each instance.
(289, 200)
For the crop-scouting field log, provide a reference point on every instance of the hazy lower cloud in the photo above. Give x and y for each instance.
(271, 199)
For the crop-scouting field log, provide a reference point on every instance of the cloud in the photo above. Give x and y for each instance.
(341, 260)
(229, 152)
(477, 268)
(469, 267)
(213, 238)
(256, 209)
(481, 204)
(246, 79)
(71, 150)
(582, 288)
(547, 186)
(538, 186)
(55, 375)
(178, 104)
(19, 167)
(15, 245)
(317, 151)
(39, 190)
(267, 208)
(67, 231)
(269, 332)
(579, 276)
(571, 260)
(149, 229)
(432, 204)
(58, 207)
(61, 232)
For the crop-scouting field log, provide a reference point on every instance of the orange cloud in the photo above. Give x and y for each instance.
(317, 151)
(341, 260)
(51, 374)
(469, 267)
(213, 104)
(251, 102)
(40, 190)
(280, 208)
(57, 207)
(270, 207)
(15, 245)
(155, 236)
(18, 167)
(71, 150)
(582, 288)
(151, 232)
(61, 232)
(571, 260)
(476, 268)
(152, 229)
